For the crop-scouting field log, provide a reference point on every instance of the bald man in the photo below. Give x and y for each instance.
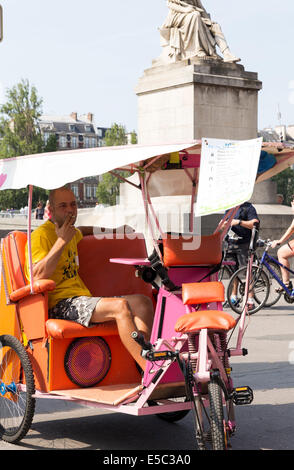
(55, 256)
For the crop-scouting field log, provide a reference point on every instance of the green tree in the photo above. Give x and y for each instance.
(134, 137)
(285, 184)
(19, 127)
(16, 199)
(20, 135)
(116, 135)
(108, 187)
(51, 144)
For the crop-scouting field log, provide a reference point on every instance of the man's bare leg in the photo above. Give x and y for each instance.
(131, 313)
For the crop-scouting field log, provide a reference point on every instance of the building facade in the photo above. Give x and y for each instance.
(279, 133)
(76, 132)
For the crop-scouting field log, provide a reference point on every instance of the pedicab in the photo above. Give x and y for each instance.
(188, 353)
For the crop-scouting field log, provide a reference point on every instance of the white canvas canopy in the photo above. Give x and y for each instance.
(55, 169)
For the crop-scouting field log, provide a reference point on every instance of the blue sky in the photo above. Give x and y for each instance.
(87, 56)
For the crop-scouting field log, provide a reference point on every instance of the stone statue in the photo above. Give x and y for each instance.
(188, 31)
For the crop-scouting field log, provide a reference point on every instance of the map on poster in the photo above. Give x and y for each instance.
(227, 175)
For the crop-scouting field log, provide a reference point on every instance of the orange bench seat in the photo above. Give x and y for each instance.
(60, 329)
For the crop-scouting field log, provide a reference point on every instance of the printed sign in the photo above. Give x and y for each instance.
(228, 171)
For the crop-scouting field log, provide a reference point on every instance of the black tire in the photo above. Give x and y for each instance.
(259, 283)
(171, 416)
(217, 423)
(17, 406)
(209, 422)
(274, 296)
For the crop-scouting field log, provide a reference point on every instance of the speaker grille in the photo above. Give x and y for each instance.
(87, 361)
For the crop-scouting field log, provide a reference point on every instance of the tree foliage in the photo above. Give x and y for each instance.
(20, 135)
(108, 187)
(116, 135)
(285, 184)
(134, 137)
(19, 121)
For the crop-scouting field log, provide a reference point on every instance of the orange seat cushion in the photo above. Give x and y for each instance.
(60, 329)
(203, 292)
(210, 319)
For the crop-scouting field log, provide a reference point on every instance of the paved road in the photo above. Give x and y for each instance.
(265, 424)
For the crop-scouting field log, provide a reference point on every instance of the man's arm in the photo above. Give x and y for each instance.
(45, 268)
(285, 236)
(244, 223)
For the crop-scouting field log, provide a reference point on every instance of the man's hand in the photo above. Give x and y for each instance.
(235, 222)
(67, 231)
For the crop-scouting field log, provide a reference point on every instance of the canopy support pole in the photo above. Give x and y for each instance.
(194, 180)
(148, 219)
(227, 219)
(29, 227)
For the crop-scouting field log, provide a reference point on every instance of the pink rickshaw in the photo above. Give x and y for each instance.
(193, 338)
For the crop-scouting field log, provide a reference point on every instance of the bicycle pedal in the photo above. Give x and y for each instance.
(242, 395)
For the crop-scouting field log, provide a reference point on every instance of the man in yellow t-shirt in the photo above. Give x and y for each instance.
(55, 256)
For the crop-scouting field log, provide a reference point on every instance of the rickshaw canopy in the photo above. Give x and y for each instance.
(55, 169)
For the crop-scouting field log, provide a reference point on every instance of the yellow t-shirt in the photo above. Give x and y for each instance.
(68, 282)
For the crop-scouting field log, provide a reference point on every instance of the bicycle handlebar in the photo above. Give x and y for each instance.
(252, 245)
(268, 243)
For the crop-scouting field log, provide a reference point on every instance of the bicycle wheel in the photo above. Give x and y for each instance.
(209, 421)
(217, 422)
(259, 284)
(17, 406)
(170, 416)
(274, 296)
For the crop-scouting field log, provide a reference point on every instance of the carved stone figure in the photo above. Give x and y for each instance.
(188, 31)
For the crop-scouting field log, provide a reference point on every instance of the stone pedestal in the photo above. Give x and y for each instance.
(194, 99)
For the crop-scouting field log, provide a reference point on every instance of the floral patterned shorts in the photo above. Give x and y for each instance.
(78, 309)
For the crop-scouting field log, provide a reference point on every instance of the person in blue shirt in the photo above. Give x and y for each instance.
(242, 226)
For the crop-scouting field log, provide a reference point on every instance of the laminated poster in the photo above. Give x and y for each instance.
(227, 175)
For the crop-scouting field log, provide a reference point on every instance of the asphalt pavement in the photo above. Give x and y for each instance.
(266, 424)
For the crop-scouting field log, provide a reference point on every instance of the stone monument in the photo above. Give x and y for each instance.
(191, 91)
(197, 88)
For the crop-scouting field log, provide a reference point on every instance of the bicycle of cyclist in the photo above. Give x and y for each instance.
(247, 281)
(272, 266)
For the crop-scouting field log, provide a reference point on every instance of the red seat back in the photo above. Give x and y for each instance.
(14, 250)
(108, 279)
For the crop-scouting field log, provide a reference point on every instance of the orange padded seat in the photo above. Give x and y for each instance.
(69, 329)
(210, 319)
(203, 292)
